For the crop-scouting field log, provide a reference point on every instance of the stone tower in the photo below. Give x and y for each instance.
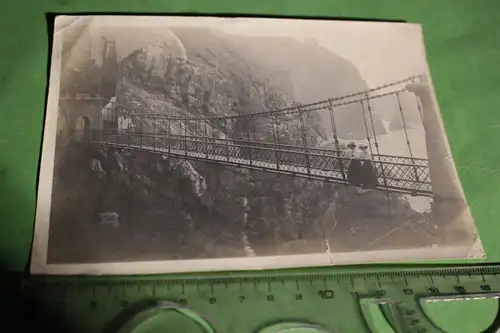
(109, 70)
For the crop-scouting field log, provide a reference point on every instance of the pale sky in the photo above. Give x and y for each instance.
(382, 52)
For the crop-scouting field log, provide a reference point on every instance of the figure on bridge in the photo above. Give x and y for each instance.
(354, 167)
(368, 174)
(125, 124)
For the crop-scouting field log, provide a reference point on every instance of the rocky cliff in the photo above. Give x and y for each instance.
(315, 74)
(115, 205)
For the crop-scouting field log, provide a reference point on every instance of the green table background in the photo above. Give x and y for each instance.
(463, 46)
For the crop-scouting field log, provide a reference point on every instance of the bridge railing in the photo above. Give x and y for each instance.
(322, 151)
(391, 171)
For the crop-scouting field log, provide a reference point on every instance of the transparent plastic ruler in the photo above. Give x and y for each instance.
(336, 300)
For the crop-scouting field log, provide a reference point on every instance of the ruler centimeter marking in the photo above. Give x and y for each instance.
(307, 294)
(241, 281)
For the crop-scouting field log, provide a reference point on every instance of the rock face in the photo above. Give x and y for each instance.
(316, 74)
(169, 208)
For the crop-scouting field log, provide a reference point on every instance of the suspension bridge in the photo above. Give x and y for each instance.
(280, 141)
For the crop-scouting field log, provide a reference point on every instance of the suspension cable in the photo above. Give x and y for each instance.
(305, 107)
(366, 127)
(406, 136)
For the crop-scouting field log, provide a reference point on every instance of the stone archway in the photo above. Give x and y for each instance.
(82, 129)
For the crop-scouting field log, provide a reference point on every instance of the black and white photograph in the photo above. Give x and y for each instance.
(178, 144)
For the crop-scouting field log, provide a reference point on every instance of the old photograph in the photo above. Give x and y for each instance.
(175, 144)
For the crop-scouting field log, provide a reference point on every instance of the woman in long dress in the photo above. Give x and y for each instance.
(368, 173)
(354, 168)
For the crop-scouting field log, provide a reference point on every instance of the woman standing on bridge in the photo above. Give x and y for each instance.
(354, 168)
(368, 174)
